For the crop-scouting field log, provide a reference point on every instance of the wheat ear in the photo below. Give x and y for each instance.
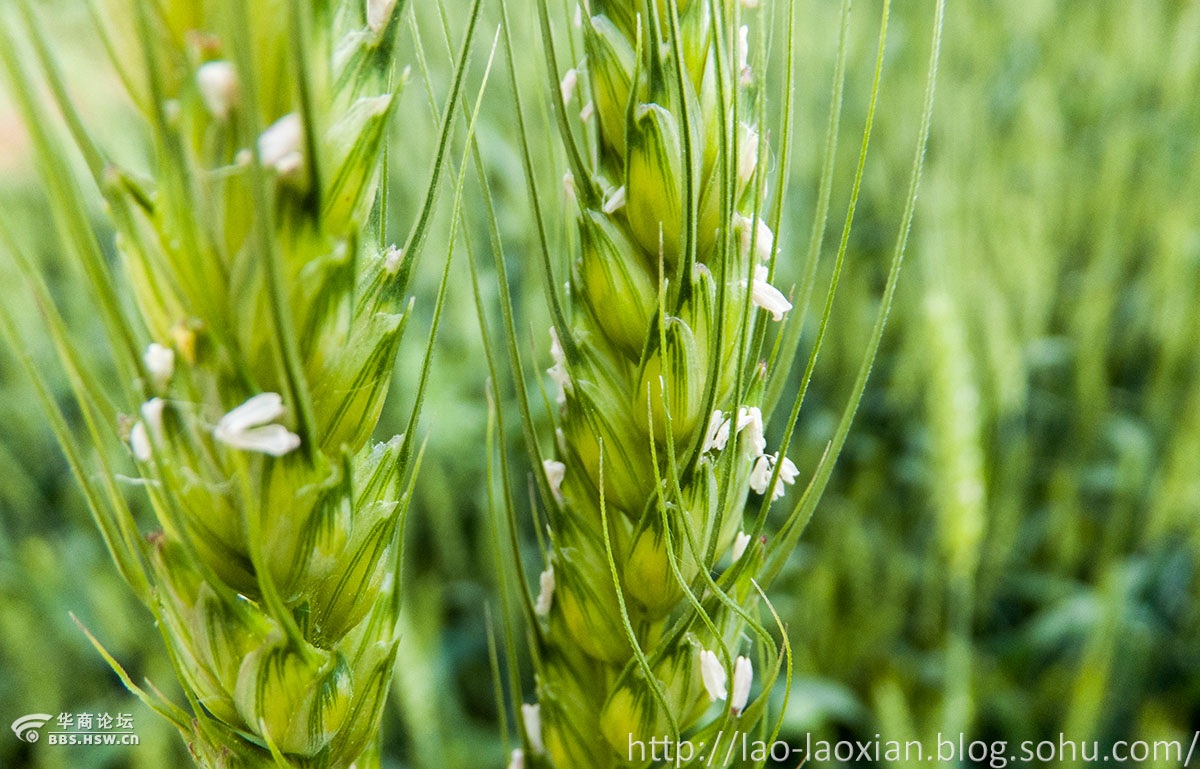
(267, 307)
(655, 351)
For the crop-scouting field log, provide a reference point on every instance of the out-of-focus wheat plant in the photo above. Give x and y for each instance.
(253, 333)
(1010, 546)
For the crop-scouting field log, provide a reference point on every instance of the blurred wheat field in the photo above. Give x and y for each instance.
(1010, 546)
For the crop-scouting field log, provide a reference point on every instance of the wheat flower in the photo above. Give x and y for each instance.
(766, 296)
(218, 84)
(712, 672)
(717, 434)
(764, 467)
(249, 427)
(567, 87)
(379, 13)
(753, 231)
(739, 545)
(149, 425)
(743, 676)
(160, 364)
(750, 420)
(531, 715)
(545, 597)
(280, 146)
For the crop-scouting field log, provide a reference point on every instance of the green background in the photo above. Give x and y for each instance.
(1010, 546)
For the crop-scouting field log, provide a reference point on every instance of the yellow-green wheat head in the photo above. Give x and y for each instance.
(254, 367)
(646, 623)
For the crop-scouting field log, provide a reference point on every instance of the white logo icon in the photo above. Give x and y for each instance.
(26, 727)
